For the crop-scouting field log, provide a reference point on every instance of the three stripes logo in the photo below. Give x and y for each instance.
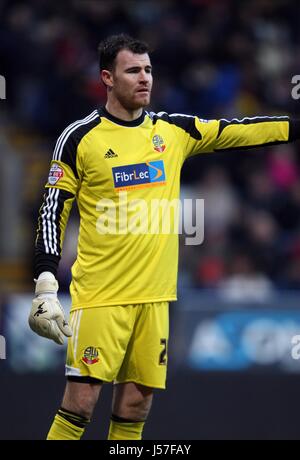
(110, 154)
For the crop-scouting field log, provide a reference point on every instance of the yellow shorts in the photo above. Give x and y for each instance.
(120, 343)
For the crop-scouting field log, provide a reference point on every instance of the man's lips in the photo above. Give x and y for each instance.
(143, 90)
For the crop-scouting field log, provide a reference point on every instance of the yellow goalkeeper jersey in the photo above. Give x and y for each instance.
(118, 172)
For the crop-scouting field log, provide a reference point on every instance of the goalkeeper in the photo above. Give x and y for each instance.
(122, 281)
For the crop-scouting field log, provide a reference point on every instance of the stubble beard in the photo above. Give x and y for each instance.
(129, 103)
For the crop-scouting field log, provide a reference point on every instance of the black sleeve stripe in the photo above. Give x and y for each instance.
(247, 121)
(185, 122)
(294, 132)
(66, 146)
(49, 231)
(45, 263)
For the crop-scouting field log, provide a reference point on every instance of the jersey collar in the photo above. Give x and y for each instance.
(138, 121)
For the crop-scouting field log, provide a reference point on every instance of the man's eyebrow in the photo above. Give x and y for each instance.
(148, 66)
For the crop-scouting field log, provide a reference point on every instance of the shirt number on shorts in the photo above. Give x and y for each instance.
(163, 353)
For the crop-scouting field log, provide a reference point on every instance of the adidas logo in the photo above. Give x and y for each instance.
(110, 154)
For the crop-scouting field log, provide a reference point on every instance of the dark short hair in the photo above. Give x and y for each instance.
(109, 48)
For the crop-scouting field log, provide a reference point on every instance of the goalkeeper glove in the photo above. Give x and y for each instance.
(47, 317)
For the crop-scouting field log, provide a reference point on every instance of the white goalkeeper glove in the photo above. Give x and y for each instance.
(47, 317)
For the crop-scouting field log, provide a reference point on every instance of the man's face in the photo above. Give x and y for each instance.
(131, 79)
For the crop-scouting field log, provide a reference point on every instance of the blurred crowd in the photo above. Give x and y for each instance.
(212, 58)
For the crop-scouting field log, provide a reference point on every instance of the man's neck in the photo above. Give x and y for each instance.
(120, 112)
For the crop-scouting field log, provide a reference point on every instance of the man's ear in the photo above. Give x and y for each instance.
(107, 78)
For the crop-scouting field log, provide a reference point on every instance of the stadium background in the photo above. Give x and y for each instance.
(232, 374)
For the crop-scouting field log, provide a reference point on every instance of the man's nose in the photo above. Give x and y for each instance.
(144, 76)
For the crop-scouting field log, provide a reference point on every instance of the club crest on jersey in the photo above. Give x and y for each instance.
(158, 143)
(90, 355)
(56, 173)
(139, 175)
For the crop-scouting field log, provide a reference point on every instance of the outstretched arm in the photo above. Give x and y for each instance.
(245, 133)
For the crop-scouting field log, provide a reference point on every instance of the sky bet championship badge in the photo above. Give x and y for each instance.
(158, 143)
(139, 175)
(56, 172)
(90, 355)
